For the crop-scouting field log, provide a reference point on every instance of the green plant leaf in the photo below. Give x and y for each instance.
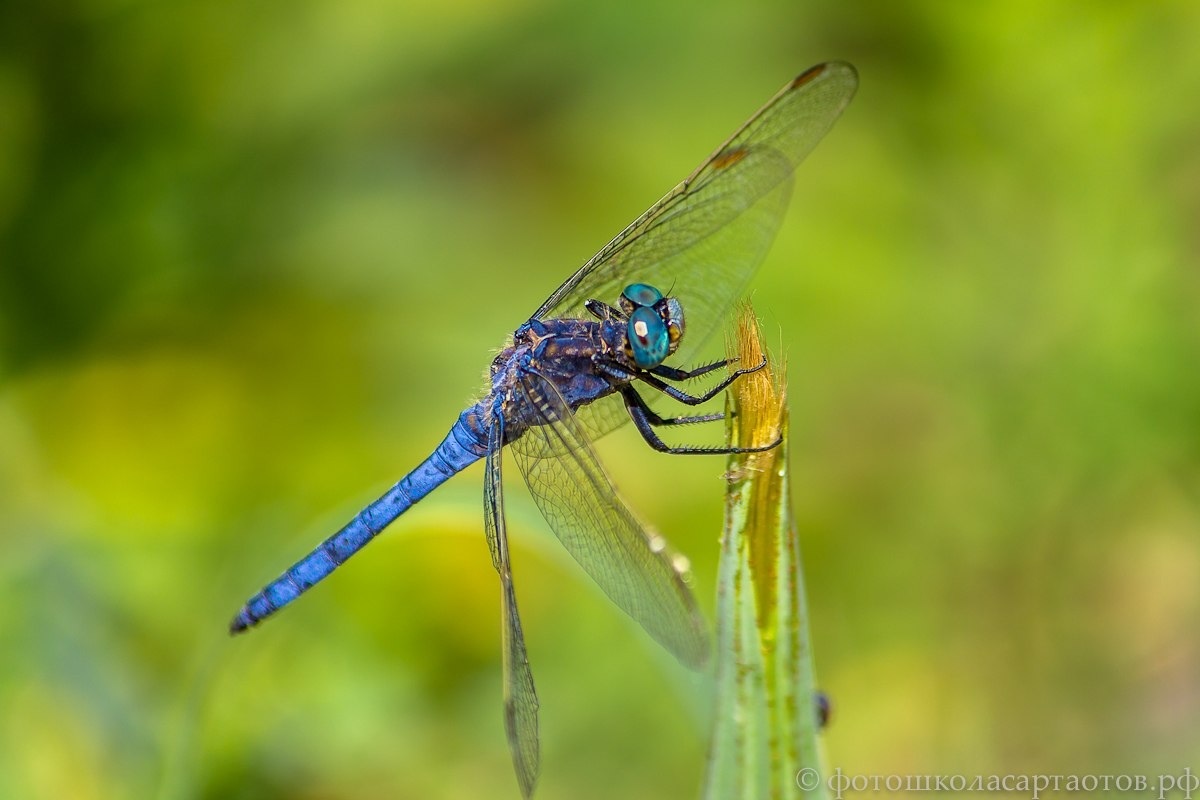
(766, 735)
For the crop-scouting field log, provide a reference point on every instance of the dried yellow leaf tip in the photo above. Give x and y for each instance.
(759, 398)
(759, 416)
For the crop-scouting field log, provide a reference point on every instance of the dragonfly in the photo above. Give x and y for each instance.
(572, 372)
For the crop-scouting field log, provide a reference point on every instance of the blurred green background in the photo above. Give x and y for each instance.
(255, 257)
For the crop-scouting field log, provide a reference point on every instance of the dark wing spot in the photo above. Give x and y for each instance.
(728, 158)
(810, 74)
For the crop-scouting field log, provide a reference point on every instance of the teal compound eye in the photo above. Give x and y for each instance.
(639, 295)
(648, 340)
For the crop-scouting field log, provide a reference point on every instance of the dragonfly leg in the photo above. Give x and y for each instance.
(625, 376)
(676, 374)
(694, 400)
(657, 420)
(622, 374)
(644, 420)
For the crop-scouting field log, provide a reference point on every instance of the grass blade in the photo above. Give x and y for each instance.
(766, 729)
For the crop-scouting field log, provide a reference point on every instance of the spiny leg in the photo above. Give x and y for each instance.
(676, 374)
(623, 375)
(654, 418)
(644, 420)
(695, 400)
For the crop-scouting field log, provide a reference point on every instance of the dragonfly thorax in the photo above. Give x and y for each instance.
(655, 324)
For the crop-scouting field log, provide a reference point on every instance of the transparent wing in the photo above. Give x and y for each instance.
(520, 697)
(704, 239)
(631, 564)
(604, 415)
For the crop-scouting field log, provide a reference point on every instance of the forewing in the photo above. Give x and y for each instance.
(631, 564)
(520, 697)
(704, 239)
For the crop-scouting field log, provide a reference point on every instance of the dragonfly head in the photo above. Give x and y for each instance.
(655, 324)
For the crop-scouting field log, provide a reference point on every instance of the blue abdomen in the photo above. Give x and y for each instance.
(463, 445)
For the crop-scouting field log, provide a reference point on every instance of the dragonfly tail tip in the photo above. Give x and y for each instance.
(240, 623)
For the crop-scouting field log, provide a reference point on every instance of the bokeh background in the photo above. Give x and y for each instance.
(254, 258)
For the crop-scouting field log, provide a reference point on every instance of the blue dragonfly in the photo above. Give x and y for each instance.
(569, 374)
